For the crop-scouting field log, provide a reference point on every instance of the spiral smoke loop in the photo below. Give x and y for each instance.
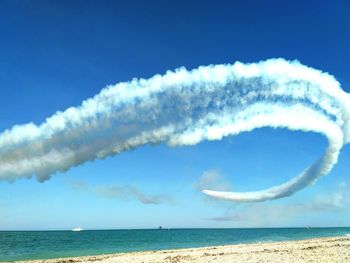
(184, 108)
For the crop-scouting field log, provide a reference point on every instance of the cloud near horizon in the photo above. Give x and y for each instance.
(183, 108)
(263, 214)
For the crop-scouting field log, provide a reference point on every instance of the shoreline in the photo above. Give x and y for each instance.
(328, 249)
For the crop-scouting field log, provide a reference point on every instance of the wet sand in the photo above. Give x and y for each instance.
(336, 249)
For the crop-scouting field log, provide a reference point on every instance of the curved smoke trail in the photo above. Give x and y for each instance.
(185, 108)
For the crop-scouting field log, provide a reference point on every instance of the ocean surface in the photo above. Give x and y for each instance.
(21, 245)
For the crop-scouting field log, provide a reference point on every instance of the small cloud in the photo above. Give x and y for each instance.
(77, 185)
(212, 179)
(227, 217)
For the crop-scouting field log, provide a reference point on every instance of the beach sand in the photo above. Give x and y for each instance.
(336, 249)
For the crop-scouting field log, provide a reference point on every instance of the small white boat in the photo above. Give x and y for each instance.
(77, 229)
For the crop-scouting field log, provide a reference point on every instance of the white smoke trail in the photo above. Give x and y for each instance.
(185, 108)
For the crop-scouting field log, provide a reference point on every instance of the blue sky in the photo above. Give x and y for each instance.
(55, 54)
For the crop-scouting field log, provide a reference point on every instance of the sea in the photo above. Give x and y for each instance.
(25, 245)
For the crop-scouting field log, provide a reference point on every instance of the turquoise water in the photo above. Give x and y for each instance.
(21, 245)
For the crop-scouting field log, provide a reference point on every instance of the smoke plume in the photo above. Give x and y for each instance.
(184, 108)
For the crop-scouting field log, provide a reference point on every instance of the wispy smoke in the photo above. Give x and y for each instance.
(127, 192)
(123, 193)
(149, 199)
(185, 108)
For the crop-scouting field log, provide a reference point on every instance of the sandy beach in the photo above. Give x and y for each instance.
(336, 249)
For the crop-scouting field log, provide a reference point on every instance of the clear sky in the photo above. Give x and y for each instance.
(55, 54)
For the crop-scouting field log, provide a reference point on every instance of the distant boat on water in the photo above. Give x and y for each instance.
(77, 229)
